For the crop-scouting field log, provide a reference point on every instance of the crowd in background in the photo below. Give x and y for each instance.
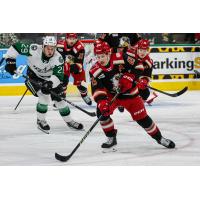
(7, 39)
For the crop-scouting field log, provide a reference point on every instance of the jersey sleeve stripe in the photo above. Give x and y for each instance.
(118, 62)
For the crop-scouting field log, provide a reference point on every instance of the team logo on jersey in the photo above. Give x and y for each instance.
(115, 82)
(61, 59)
(60, 49)
(69, 59)
(131, 60)
(45, 70)
(34, 47)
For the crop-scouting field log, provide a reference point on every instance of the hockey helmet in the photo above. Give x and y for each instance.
(73, 35)
(50, 41)
(101, 48)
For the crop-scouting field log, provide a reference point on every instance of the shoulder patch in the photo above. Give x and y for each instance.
(61, 59)
(34, 47)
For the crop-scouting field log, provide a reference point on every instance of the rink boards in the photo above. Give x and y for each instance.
(173, 69)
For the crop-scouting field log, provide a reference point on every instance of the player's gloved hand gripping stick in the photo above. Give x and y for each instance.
(66, 158)
(92, 114)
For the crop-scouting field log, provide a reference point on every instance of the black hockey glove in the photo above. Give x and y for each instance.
(10, 65)
(74, 69)
(60, 93)
(47, 87)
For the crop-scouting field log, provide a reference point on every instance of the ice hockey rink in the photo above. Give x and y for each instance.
(22, 144)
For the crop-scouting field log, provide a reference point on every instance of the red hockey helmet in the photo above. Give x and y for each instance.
(143, 44)
(74, 35)
(101, 48)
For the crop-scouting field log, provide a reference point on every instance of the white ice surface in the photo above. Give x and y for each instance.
(21, 143)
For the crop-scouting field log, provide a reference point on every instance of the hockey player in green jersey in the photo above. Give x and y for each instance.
(46, 67)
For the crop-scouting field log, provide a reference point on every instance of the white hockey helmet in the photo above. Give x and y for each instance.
(49, 41)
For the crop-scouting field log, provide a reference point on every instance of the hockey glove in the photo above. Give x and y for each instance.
(59, 90)
(104, 107)
(142, 83)
(126, 82)
(46, 87)
(10, 65)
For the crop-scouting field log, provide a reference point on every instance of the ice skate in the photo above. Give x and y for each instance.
(43, 126)
(166, 143)
(75, 125)
(87, 100)
(110, 145)
(54, 107)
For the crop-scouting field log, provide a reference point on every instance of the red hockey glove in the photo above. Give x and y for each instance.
(104, 107)
(46, 87)
(142, 83)
(126, 82)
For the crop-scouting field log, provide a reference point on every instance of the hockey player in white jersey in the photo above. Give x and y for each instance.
(45, 67)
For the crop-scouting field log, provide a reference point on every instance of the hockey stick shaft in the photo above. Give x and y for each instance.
(66, 158)
(21, 99)
(2, 61)
(92, 114)
(197, 72)
(168, 94)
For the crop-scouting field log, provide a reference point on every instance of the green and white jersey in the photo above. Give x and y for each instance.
(42, 68)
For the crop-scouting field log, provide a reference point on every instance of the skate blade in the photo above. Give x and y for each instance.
(44, 131)
(109, 150)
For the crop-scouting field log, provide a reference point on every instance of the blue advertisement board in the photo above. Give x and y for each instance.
(5, 77)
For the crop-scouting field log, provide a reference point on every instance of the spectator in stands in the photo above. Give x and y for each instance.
(189, 38)
(7, 39)
(197, 38)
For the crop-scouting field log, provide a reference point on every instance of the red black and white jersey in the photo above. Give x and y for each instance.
(146, 63)
(105, 79)
(113, 39)
(72, 55)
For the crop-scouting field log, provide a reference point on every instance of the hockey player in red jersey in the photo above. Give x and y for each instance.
(119, 42)
(73, 53)
(141, 52)
(114, 72)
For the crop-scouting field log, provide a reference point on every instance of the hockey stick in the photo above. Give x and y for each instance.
(21, 98)
(197, 73)
(168, 94)
(92, 114)
(2, 61)
(66, 158)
